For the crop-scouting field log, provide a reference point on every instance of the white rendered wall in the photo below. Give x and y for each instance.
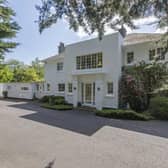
(141, 52)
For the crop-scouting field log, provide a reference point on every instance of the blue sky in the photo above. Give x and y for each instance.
(32, 44)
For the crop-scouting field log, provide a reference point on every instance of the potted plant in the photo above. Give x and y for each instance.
(5, 94)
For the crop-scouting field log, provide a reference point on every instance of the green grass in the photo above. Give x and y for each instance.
(57, 107)
(123, 114)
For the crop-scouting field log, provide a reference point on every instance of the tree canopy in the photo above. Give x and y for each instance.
(95, 15)
(16, 71)
(8, 28)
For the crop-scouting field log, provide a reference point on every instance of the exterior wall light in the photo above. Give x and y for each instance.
(98, 89)
(74, 88)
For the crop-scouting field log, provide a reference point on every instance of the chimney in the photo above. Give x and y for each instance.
(61, 48)
(123, 31)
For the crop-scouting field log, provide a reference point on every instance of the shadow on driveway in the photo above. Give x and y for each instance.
(86, 122)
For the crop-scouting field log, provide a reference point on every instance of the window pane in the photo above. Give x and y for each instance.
(61, 87)
(130, 57)
(48, 87)
(110, 88)
(70, 87)
(89, 61)
(59, 66)
(151, 54)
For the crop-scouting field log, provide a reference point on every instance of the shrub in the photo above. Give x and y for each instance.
(123, 114)
(53, 100)
(45, 99)
(59, 100)
(159, 107)
(132, 92)
(5, 94)
(57, 107)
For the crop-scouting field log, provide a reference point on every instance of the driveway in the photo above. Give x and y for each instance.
(33, 137)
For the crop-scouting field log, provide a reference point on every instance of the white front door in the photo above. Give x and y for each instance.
(88, 93)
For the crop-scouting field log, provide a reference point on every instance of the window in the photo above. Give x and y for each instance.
(61, 87)
(24, 88)
(130, 57)
(160, 53)
(152, 54)
(48, 87)
(90, 61)
(37, 87)
(70, 87)
(59, 66)
(110, 88)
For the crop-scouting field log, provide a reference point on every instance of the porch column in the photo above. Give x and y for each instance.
(75, 91)
(99, 94)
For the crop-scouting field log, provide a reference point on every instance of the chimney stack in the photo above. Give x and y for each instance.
(61, 48)
(123, 31)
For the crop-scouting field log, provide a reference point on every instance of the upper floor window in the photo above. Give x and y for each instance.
(160, 53)
(61, 87)
(91, 61)
(60, 66)
(130, 57)
(152, 54)
(110, 88)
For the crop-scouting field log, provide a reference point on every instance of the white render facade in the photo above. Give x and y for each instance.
(88, 73)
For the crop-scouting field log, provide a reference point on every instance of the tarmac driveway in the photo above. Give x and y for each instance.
(33, 137)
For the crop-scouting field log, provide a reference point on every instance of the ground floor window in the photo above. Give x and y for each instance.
(61, 87)
(70, 87)
(48, 87)
(110, 89)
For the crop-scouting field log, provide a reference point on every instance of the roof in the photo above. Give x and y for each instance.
(130, 39)
(136, 38)
(53, 58)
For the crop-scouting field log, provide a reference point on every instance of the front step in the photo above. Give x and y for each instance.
(87, 108)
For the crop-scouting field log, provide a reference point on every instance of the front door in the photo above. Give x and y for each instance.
(88, 93)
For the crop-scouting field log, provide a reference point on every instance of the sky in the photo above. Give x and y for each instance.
(33, 44)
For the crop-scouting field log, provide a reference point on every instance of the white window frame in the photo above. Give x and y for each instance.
(133, 55)
(70, 83)
(90, 61)
(107, 89)
(59, 87)
(60, 66)
(48, 87)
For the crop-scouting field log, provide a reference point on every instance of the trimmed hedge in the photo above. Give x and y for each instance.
(123, 114)
(57, 107)
(53, 100)
(159, 107)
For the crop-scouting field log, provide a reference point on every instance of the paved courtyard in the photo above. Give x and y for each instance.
(33, 137)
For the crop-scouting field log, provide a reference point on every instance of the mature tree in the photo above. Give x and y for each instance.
(95, 15)
(25, 75)
(140, 81)
(6, 75)
(39, 68)
(8, 28)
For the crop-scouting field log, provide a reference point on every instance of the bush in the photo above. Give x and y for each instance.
(59, 100)
(5, 94)
(45, 99)
(53, 100)
(159, 107)
(123, 114)
(57, 107)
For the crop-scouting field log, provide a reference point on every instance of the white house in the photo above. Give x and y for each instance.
(88, 72)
